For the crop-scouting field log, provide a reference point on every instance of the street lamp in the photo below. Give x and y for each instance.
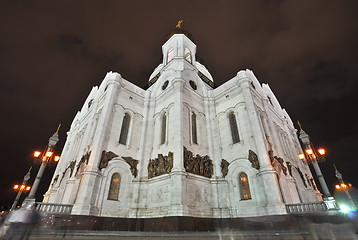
(345, 187)
(21, 188)
(313, 156)
(46, 157)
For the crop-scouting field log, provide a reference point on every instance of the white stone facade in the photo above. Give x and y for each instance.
(181, 89)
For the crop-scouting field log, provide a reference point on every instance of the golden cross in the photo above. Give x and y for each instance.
(179, 23)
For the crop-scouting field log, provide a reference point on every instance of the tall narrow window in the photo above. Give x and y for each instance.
(187, 55)
(194, 135)
(170, 55)
(113, 192)
(233, 127)
(244, 186)
(164, 128)
(124, 130)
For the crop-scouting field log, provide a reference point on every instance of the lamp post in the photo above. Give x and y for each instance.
(21, 188)
(314, 156)
(46, 157)
(342, 185)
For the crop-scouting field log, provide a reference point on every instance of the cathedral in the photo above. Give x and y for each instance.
(181, 147)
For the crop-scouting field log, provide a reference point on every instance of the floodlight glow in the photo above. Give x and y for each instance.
(344, 208)
(301, 156)
(57, 158)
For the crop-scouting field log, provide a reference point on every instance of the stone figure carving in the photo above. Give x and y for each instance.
(105, 158)
(289, 166)
(84, 160)
(71, 166)
(308, 179)
(224, 167)
(301, 175)
(198, 165)
(55, 180)
(254, 160)
(277, 162)
(160, 165)
(313, 184)
(133, 164)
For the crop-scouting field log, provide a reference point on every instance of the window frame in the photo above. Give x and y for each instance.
(234, 128)
(194, 129)
(114, 187)
(244, 186)
(163, 134)
(123, 136)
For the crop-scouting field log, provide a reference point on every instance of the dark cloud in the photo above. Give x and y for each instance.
(53, 53)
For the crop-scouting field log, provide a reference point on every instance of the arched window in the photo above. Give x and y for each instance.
(244, 186)
(187, 55)
(113, 192)
(234, 129)
(170, 55)
(124, 130)
(164, 128)
(194, 136)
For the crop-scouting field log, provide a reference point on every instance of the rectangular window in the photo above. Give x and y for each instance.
(234, 129)
(164, 126)
(124, 130)
(193, 129)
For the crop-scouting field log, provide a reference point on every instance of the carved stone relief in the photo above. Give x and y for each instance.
(301, 175)
(160, 165)
(289, 166)
(198, 165)
(254, 160)
(224, 167)
(308, 179)
(105, 158)
(277, 162)
(133, 164)
(108, 156)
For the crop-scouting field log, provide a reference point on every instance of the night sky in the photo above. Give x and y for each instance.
(53, 52)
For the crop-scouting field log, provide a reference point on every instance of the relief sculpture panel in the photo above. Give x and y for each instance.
(198, 165)
(160, 165)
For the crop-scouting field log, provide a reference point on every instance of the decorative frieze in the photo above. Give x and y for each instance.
(198, 165)
(160, 165)
(105, 158)
(133, 164)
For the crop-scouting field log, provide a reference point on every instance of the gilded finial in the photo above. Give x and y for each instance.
(299, 124)
(29, 170)
(58, 128)
(179, 23)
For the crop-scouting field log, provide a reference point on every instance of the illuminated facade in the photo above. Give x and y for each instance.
(182, 147)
